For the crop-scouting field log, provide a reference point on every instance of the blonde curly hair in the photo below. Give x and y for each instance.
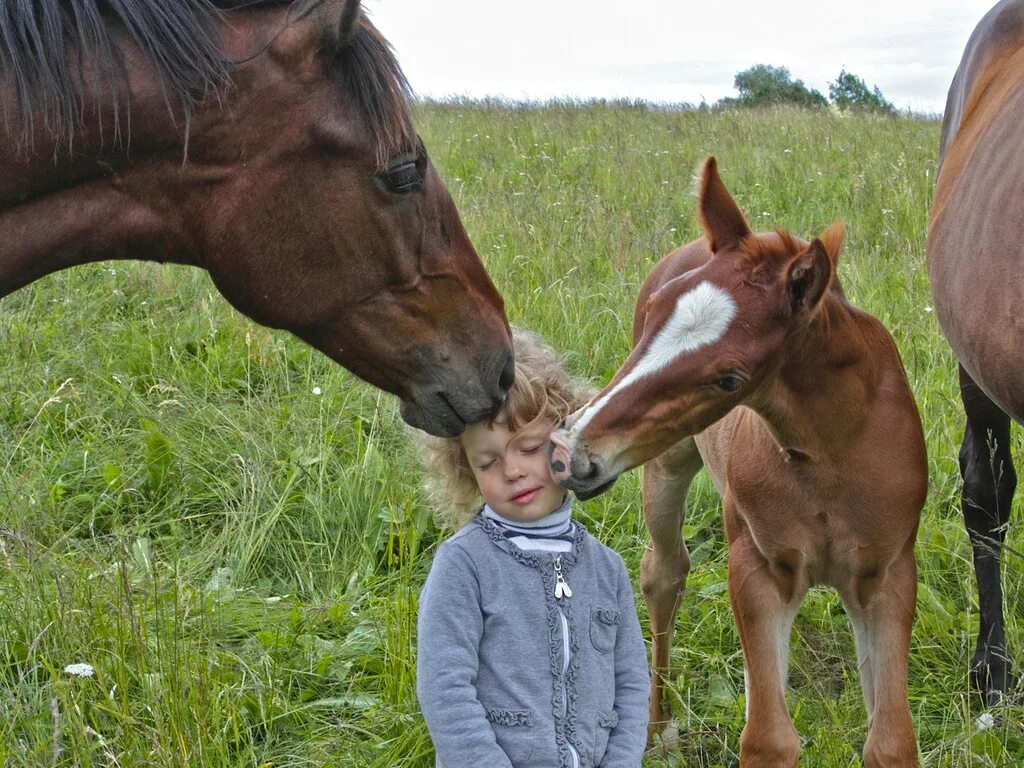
(541, 391)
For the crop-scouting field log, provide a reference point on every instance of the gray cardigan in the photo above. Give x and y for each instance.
(491, 654)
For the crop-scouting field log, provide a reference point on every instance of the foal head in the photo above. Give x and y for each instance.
(713, 325)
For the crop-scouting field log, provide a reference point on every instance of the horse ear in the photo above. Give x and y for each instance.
(321, 24)
(832, 239)
(724, 224)
(808, 277)
(349, 23)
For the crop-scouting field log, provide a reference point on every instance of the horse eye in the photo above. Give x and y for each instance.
(731, 382)
(402, 178)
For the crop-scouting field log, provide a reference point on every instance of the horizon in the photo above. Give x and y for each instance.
(910, 51)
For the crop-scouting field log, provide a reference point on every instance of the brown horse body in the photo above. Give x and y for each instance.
(798, 405)
(294, 177)
(974, 265)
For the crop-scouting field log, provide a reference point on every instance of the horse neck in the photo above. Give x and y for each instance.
(821, 391)
(104, 210)
(110, 200)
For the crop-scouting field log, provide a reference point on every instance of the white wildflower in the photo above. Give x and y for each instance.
(984, 721)
(80, 670)
(317, 391)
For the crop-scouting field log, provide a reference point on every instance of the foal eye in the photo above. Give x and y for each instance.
(731, 382)
(402, 178)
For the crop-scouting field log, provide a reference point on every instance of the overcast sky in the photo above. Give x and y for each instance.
(674, 50)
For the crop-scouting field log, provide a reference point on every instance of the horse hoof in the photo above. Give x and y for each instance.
(991, 673)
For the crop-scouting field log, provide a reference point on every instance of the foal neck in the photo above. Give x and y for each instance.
(824, 385)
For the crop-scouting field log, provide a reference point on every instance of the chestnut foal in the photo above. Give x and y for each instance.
(748, 360)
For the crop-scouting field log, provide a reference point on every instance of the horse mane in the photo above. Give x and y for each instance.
(766, 249)
(764, 253)
(47, 46)
(376, 83)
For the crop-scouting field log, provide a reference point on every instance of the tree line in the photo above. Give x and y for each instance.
(764, 85)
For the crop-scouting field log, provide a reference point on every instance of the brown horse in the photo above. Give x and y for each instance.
(269, 144)
(974, 264)
(804, 418)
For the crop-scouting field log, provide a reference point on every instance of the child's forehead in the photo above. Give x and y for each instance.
(485, 434)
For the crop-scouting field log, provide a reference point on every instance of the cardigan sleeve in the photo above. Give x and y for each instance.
(632, 684)
(449, 628)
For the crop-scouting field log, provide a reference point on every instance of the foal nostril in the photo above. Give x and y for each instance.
(559, 458)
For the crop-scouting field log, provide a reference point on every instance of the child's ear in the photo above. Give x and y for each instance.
(724, 223)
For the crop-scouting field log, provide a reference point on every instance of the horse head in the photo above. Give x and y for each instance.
(340, 230)
(712, 326)
(300, 185)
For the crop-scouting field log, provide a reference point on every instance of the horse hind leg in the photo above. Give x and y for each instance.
(666, 562)
(989, 483)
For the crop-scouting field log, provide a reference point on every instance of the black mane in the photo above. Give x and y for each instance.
(374, 81)
(46, 45)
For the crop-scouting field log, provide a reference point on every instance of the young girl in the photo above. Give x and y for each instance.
(530, 651)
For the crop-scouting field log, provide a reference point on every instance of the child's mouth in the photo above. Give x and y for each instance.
(526, 496)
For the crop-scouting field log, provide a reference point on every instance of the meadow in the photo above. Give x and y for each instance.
(231, 530)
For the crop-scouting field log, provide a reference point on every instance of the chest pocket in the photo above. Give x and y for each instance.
(604, 626)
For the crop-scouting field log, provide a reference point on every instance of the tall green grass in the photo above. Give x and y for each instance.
(239, 558)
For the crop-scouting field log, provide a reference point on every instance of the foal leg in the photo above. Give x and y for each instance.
(665, 562)
(989, 483)
(882, 612)
(764, 603)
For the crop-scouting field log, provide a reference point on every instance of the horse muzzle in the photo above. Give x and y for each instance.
(454, 398)
(574, 468)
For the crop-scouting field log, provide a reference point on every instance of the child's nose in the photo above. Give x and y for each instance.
(513, 470)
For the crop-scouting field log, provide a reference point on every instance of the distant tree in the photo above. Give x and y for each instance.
(850, 92)
(764, 85)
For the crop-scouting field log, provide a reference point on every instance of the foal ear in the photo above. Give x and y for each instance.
(724, 224)
(832, 239)
(808, 277)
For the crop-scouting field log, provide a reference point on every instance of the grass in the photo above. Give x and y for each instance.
(239, 558)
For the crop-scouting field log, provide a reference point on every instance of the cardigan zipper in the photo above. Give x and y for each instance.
(562, 588)
(561, 585)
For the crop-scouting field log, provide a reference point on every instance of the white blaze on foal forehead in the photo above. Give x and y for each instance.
(700, 318)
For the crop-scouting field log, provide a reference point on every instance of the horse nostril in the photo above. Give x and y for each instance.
(559, 456)
(508, 374)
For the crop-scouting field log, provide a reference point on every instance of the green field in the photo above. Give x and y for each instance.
(239, 558)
